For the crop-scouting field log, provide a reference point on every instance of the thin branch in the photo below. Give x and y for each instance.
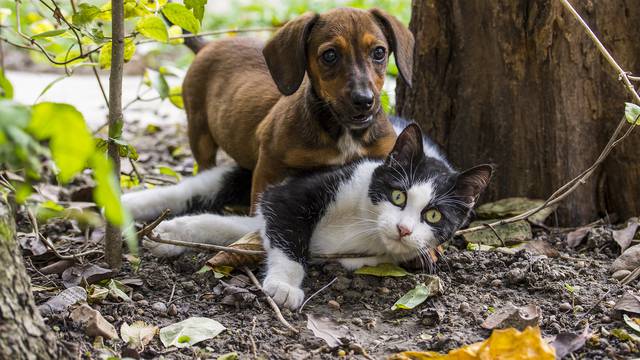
(145, 231)
(212, 33)
(273, 304)
(205, 247)
(104, 93)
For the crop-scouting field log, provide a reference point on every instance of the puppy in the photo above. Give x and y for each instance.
(309, 98)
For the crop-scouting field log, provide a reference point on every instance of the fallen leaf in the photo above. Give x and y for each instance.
(633, 323)
(229, 356)
(327, 329)
(251, 241)
(621, 334)
(190, 331)
(138, 334)
(502, 344)
(566, 343)
(511, 234)
(96, 293)
(84, 273)
(63, 300)
(117, 290)
(57, 267)
(33, 244)
(624, 236)
(540, 247)
(511, 316)
(93, 322)
(513, 206)
(628, 260)
(419, 294)
(382, 270)
(628, 303)
(575, 237)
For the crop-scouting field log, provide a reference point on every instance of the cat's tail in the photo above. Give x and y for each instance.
(208, 192)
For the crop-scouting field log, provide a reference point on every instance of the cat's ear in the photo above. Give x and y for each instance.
(408, 147)
(472, 182)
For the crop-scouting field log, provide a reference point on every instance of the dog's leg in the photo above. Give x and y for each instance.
(203, 147)
(265, 174)
(203, 188)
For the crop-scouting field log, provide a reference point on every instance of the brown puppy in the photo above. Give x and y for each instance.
(233, 94)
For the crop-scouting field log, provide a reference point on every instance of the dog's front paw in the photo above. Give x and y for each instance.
(283, 293)
(169, 230)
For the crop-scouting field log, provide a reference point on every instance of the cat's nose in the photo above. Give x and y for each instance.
(403, 230)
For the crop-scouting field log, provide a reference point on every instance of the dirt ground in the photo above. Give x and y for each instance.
(571, 289)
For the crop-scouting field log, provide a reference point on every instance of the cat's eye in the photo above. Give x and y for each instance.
(432, 216)
(398, 197)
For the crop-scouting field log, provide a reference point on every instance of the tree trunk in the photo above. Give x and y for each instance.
(23, 333)
(519, 84)
(113, 236)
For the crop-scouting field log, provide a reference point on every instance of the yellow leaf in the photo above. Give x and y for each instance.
(506, 344)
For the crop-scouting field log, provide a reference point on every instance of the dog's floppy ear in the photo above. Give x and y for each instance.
(286, 53)
(401, 41)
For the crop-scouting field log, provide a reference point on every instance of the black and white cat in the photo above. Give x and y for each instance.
(389, 211)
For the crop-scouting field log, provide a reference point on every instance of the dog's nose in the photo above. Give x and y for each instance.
(403, 230)
(362, 99)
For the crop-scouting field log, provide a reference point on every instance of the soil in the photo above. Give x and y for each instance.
(477, 283)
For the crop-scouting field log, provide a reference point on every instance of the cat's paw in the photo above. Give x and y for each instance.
(170, 230)
(284, 294)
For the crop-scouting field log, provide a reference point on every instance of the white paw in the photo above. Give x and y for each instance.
(284, 294)
(169, 230)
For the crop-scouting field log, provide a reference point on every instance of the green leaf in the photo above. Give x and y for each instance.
(85, 14)
(181, 16)
(229, 356)
(197, 6)
(413, 298)
(159, 83)
(50, 85)
(632, 113)
(175, 96)
(117, 290)
(383, 270)
(175, 32)
(104, 59)
(50, 33)
(633, 323)
(69, 137)
(190, 331)
(6, 89)
(168, 171)
(4, 14)
(153, 28)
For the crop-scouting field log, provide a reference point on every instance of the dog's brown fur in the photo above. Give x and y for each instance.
(234, 98)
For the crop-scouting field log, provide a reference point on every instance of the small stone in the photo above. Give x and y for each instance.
(342, 353)
(189, 286)
(565, 306)
(620, 274)
(159, 307)
(371, 324)
(334, 304)
(93, 322)
(605, 319)
(137, 297)
(625, 347)
(173, 310)
(515, 276)
(496, 283)
(143, 302)
(140, 311)
(384, 290)
(357, 321)
(464, 307)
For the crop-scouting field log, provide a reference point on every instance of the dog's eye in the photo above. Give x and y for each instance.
(379, 53)
(329, 56)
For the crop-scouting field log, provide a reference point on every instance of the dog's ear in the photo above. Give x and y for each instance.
(401, 41)
(286, 53)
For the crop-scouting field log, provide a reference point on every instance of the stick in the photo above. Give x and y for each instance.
(205, 247)
(254, 348)
(273, 304)
(145, 231)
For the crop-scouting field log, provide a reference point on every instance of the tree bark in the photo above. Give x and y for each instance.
(519, 84)
(23, 333)
(113, 235)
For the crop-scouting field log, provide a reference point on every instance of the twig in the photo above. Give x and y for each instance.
(632, 276)
(104, 93)
(316, 293)
(147, 229)
(205, 247)
(213, 33)
(273, 304)
(594, 305)
(254, 348)
(173, 291)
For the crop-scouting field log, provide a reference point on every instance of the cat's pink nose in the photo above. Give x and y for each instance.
(403, 230)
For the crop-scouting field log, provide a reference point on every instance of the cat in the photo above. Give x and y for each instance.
(388, 211)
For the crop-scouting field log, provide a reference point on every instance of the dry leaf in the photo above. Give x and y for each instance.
(575, 237)
(513, 317)
(89, 273)
(628, 303)
(502, 344)
(328, 330)
(63, 300)
(33, 244)
(566, 343)
(628, 260)
(138, 334)
(251, 241)
(624, 236)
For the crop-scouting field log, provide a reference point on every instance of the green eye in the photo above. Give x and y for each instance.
(433, 216)
(398, 197)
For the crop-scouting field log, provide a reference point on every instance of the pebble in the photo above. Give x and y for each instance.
(334, 304)
(565, 306)
(140, 311)
(384, 290)
(137, 297)
(464, 307)
(625, 347)
(515, 276)
(357, 321)
(189, 286)
(143, 302)
(605, 319)
(496, 283)
(371, 324)
(620, 274)
(173, 310)
(159, 307)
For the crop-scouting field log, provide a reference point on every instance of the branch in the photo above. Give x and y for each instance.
(273, 304)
